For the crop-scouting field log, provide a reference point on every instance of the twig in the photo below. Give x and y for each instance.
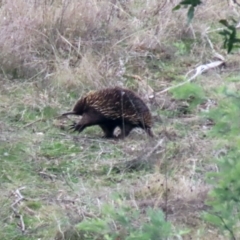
(31, 123)
(19, 199)
(51, 176)
(159, 143)
(22, 223)
(216, 54)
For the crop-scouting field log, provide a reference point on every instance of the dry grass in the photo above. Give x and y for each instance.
(54, 51)
(89, 44)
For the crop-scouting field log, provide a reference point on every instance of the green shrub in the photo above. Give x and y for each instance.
(225, 197)
(126, 223)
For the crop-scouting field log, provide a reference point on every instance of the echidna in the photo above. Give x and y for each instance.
(110, 108)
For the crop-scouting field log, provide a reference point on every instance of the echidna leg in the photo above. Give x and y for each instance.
(125, 130)
(87, 120)
(149, 132)
(108, 130)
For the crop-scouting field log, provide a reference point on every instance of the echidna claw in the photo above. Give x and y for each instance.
(73, 126)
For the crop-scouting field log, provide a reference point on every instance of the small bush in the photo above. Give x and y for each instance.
(125, 223)
(225, 198)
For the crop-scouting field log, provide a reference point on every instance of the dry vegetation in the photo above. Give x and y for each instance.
(54, 51)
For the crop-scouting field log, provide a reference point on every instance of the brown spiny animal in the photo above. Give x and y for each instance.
(110, 108)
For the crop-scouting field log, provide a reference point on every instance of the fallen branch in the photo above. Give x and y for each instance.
(198, 71)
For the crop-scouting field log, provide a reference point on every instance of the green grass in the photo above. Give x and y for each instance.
(62, 172)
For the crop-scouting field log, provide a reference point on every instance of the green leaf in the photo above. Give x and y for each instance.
(229, 35)
(192, 4)
(176, 7)
(190, 14)
(224, 22)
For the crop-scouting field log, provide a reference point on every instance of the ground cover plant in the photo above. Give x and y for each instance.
(55, 184)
